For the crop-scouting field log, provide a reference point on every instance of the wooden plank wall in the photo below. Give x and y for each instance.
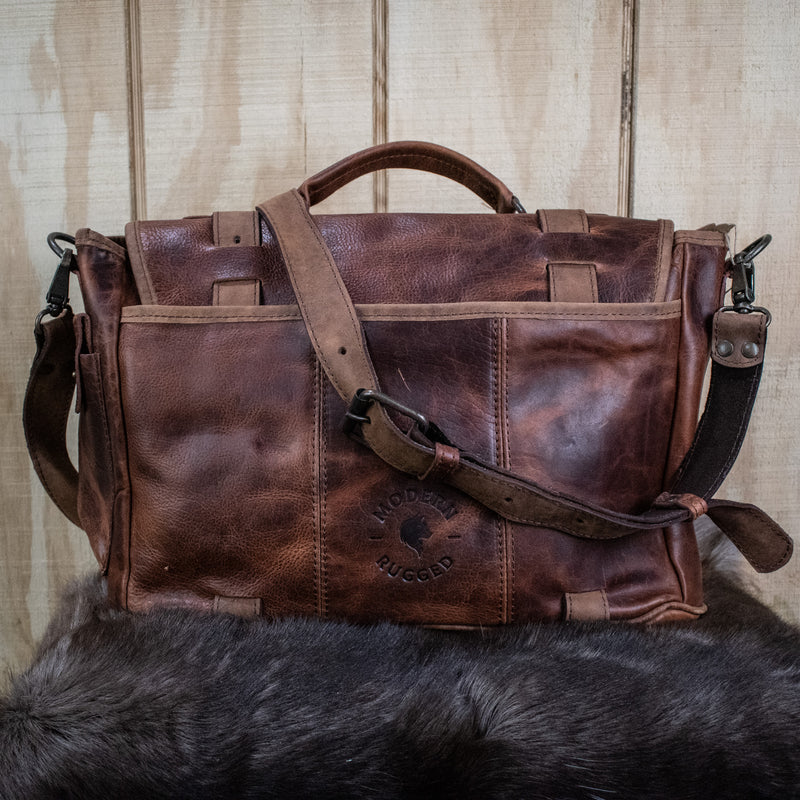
(110, 110)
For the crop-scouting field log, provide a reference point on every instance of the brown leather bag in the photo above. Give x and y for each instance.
(447, 419)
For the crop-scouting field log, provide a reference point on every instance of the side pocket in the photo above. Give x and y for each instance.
(95, 466)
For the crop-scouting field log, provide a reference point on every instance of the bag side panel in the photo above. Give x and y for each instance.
(107, 286)
(699, 256)
(702, 256)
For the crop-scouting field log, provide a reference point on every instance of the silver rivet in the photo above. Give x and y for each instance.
(724, 348)
(750, 350)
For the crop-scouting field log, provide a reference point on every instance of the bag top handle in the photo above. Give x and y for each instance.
(412, 155)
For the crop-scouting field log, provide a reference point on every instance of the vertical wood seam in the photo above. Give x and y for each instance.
(627, 109)
(135, 110)
(380, 114)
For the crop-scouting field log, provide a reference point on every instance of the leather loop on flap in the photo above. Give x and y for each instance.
(235, 228)
(563, 220)
(572, 283)
(245, 292)
(738, 339)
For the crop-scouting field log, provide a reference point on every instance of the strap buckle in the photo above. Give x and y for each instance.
(364, 398)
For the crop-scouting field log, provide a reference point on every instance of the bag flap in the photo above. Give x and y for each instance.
(410, 258)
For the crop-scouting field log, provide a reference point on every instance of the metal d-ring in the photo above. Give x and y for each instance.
(54, 237)
(752, 250)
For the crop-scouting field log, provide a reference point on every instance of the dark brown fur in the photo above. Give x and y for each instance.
(179, 705)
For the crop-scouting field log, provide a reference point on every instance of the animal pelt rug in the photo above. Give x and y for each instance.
(181, 705)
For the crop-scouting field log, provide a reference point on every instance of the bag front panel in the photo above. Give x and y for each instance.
(581, 406)
(578, 399)
(247, 487)
(220, 423)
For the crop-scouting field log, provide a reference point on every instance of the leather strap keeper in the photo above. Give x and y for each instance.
(586, 606)
(739, 338)
(235, 229)
(238, 606)
(445, 460)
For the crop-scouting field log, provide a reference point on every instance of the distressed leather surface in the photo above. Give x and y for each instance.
(232, 477)
(411, 258)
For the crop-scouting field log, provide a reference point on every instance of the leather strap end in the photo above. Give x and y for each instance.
(759, 538)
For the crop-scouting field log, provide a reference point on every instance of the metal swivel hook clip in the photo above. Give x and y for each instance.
(57, 297)
(742, 270)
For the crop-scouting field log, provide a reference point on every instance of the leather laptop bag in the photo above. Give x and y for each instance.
(443, 419)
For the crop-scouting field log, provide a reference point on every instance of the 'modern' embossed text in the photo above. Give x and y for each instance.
(412, 495)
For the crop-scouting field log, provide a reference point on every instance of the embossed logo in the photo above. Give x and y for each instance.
(413, 495)
(414, 574)
(418, 519)
(413, 533)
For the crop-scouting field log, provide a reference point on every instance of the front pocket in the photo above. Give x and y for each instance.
(220, 425)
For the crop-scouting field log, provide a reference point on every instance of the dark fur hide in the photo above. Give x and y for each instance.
(176, 705)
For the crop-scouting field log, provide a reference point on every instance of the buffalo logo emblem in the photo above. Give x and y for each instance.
(414, 531)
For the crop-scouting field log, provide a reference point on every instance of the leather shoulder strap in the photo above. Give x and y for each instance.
(337, 337)
(48, 398)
